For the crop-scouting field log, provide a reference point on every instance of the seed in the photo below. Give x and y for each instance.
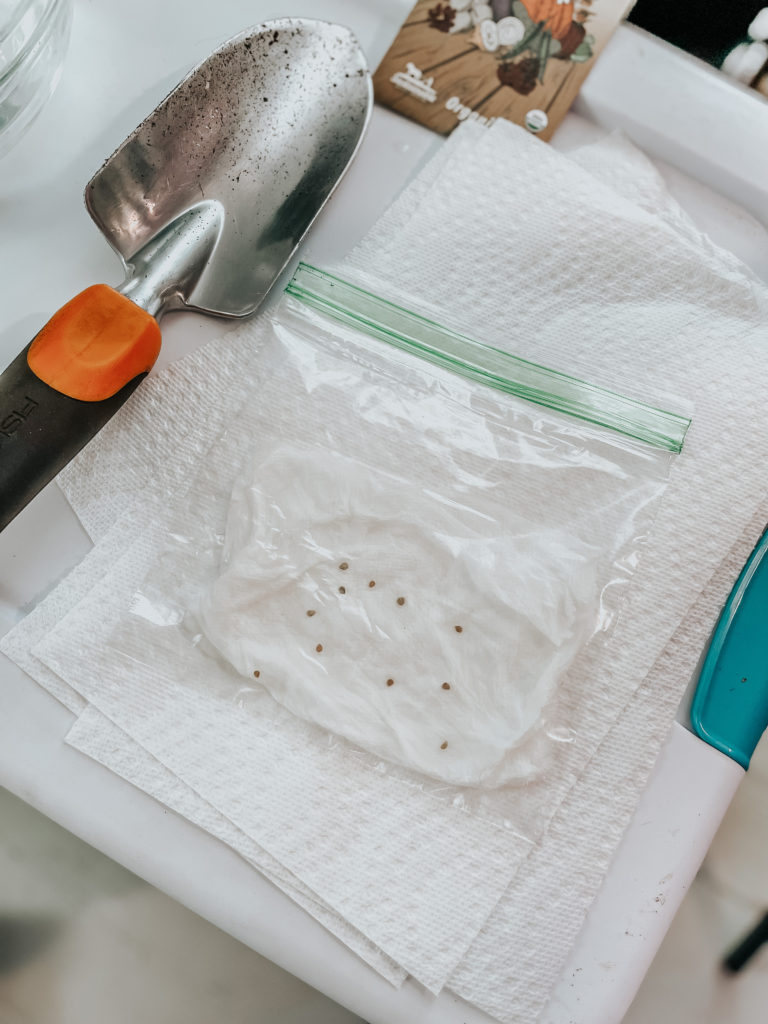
(446, 686)
(390, 682)
(444, 745)
(342, 590)
(344, 565)
(256, 674)
(372, 583)
(319, 648)
(459, 629)
(311, 612)
(401, 600)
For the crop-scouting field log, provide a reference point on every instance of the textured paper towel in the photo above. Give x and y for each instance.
(344, 828)
(100, 739)
(510, 969)
(608, 285)
(125, 757)
(134, 487)
(383, 836)
(536, 942)
(655, 725)
(171, 420)
(614, 293)
(538, 261)
(512, 966)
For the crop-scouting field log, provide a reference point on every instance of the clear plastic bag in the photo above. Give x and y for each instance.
(406, 558)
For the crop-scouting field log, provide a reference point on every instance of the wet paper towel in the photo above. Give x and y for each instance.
(481, 978)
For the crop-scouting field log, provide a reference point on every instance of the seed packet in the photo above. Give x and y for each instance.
(523, 60)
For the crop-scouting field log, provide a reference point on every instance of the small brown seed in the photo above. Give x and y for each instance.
(319, 648)
(342, 590)
(459, 629)
(344, 565)
(372, 583)
(444, 745)
(311, 612)
(446, 686)
(401, 600)
(256, 674)
(390, 682)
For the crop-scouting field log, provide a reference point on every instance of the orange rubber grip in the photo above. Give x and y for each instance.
(94, 345)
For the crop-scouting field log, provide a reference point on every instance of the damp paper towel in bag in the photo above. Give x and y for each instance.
(375, 615)
(422, 593)
(483, 976)
(360, 598)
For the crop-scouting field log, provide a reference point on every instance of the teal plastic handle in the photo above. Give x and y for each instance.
(730, 705)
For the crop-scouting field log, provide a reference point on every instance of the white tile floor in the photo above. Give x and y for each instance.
(84, 942)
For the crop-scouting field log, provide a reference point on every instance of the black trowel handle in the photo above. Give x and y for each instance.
(61, 390)
(40, 431)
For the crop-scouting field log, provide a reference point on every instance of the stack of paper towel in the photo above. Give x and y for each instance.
(584, 264)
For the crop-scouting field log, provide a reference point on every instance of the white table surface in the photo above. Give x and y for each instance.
(122, 60)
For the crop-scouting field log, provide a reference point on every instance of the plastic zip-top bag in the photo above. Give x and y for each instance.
(409, 544)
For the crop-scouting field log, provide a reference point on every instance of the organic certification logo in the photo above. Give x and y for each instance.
(536, 120)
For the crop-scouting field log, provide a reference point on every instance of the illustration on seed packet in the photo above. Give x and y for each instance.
(523, 35)
(412, 80)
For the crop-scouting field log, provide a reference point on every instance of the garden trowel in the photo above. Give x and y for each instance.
(205, 203)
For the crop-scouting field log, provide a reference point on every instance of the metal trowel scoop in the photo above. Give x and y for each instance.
(205, 202)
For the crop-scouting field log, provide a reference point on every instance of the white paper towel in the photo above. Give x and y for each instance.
(512, 966)
(608, 291)
(527, 949)
(488, 991)
(346, 830)
(172, 420)
(97, 736)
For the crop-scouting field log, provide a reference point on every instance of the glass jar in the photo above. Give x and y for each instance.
(34, 35)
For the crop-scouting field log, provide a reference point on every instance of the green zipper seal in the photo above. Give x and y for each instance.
(354, 306)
